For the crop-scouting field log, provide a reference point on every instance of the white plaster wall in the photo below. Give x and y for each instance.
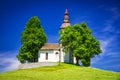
(66, 57)
(56, 56)
(52, 56)
(62, 54)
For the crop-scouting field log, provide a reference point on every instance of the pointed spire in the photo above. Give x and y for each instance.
(66, 12)
(66, 20)
(66, 17)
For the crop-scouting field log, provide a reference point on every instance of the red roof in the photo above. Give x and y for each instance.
(49, 46)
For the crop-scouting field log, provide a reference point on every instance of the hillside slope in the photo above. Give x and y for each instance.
(62, 72)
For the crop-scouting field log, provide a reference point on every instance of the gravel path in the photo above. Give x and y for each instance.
(38, 64)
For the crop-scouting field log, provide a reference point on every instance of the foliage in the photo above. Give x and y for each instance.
(80, 40)
(62, 72)
(32, 39)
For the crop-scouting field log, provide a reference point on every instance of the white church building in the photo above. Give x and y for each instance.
(52, 52)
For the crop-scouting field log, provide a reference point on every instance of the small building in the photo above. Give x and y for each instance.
(50, 52)
(53, 52)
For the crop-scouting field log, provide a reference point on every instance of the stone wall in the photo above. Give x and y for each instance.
(37, 64)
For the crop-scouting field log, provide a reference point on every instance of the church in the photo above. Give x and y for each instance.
(52, 52)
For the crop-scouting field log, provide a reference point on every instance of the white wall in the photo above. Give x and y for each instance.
(65, 56)
(52, 56)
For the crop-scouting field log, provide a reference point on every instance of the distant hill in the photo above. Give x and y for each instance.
(62, 72)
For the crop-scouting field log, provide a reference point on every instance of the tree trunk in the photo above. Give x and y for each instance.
(77, 61)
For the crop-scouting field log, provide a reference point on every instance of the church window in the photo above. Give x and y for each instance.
(56, 53)
(46, 56)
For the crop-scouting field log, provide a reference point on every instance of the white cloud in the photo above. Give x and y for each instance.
(114, 14)
(96, 59)
(108, 42)
(110, 22)
(104, 46)
(109, 27)
(114, 54)
(8, 61)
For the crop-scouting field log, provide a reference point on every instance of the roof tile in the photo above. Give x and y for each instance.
(49, 46)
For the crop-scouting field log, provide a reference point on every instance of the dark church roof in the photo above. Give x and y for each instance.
(50, 46)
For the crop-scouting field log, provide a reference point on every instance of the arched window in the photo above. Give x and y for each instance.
(56, 53)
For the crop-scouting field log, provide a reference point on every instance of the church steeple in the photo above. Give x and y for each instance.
(65, 24)
(66, 18)
(66, 21)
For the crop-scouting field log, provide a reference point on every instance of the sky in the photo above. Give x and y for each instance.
(101, 16)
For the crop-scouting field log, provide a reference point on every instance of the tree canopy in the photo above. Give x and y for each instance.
(32, 39)
(79, 39)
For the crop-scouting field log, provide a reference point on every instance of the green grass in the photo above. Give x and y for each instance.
(62, 72)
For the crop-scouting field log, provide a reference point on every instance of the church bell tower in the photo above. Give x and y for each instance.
(68, 57)
(66, 21)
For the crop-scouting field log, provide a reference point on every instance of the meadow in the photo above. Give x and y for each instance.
(60, 72)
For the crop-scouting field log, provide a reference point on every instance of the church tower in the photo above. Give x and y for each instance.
(68, 57)
(66, 21)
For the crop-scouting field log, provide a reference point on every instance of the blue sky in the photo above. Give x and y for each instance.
(102, 17)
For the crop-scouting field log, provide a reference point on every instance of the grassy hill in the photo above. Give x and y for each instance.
(62, 72)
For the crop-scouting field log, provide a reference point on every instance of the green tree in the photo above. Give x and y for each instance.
(79, 39)
(32, 39)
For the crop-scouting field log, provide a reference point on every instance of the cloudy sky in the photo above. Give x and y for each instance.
(102, 17)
